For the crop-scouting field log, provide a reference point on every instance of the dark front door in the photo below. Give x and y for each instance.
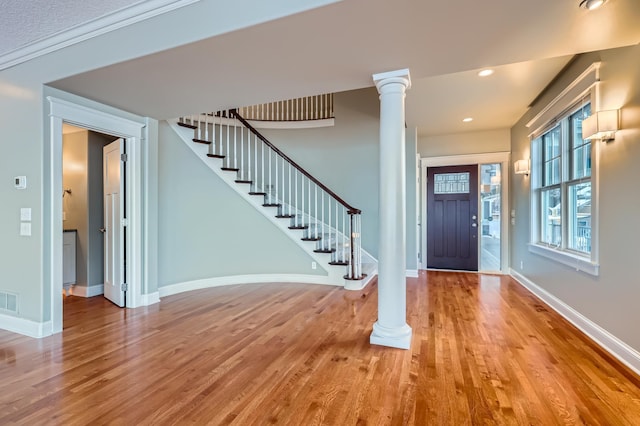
(452, 217)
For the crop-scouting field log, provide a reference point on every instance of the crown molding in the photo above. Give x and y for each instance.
(93, 28)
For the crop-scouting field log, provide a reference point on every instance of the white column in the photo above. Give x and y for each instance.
(392, 329)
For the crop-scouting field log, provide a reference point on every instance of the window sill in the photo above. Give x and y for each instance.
(578, 262)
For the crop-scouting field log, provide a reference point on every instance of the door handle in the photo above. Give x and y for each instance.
(474, 224)
(102, 230)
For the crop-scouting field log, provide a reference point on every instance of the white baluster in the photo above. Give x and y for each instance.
(228, 145)
(315, 206)
(262, 167)
(270, 185)
(302, 185)
(295, 184)
(309, 206)
(235, 146)
(322, 222)
(289, 189)
(255, 162)
(276, 187)
(248, 155)
(241, 173)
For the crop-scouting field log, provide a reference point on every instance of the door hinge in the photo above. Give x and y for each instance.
(124, 158)
(124, 287)
(124, 222)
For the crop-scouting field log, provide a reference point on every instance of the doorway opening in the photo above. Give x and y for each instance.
(93, 255)
(132, 133)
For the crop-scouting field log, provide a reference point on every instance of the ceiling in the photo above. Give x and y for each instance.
(338, 47)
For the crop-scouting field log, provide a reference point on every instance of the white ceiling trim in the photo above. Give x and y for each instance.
(93, 28)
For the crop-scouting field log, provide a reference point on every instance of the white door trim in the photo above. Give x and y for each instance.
(134, 134)
(457, 160)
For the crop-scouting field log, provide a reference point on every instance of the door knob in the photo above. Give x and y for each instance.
(102, 230)
(474, 224)
(474, 217)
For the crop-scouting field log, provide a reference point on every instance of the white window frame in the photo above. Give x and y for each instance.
(560, 108)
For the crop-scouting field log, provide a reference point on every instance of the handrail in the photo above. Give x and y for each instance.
(350, 209)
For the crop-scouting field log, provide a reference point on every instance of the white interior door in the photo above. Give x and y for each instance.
(114, 261)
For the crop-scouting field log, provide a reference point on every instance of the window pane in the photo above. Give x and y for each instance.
(490, 215)
(580, 148)
(451, 183)
(552, 143)
(551, 215)
(581, 161)
(552, 172)
(580, 217)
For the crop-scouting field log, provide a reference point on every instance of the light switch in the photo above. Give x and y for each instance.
(25, 214)
(25, 229)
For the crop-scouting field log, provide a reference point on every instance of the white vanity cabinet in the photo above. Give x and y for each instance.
(69, 258)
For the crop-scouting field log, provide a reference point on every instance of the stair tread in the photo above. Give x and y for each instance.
(311, 238)
(202, 141)
(339, 263)
(257, 193)
(188, 126)
(324, 250)
(244, 181)
(346, 277)
(215, 156)
(299, 227)
(271, 205)
(286, 216)
(230, 169)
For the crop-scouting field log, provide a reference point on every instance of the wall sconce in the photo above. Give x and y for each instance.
(521, 167)
(601, 125)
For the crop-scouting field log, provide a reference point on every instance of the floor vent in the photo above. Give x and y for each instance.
(9, 302)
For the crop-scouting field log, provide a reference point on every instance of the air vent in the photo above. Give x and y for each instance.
(8, 302)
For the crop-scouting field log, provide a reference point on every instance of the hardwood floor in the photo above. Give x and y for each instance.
(484, 351)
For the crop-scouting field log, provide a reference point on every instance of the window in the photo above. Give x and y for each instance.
(562, 191)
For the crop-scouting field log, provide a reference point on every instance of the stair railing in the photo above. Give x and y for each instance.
(311, 206)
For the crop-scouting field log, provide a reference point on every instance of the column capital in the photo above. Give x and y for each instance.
(399, 76)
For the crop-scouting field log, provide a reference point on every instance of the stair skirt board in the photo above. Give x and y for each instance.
(172, 289)
(335, 273)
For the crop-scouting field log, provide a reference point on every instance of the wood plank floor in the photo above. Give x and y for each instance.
(484, 351)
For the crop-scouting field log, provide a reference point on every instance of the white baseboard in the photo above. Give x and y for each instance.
(25, 327)
(150, 299)
(91, 291)
(610, 343)
(412, 273)
(243, 279)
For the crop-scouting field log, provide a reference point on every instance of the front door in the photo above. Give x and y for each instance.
(114, 236)
(452, 217)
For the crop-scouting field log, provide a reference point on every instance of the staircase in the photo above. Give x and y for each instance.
(322, 223)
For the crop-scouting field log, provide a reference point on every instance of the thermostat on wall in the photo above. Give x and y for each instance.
(20, 182)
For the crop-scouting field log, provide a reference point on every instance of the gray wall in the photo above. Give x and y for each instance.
(206, 230)
(610, 299)
(75, 205)
(465, 143)
(84, 207)
(95, 209)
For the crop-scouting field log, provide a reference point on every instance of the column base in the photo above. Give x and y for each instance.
(392, 337)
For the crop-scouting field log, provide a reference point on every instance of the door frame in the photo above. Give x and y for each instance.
(458, 160)
(134, 133)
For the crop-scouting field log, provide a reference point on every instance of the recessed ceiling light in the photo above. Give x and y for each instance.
(467, 120)
(485, 73)
(591, 4)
